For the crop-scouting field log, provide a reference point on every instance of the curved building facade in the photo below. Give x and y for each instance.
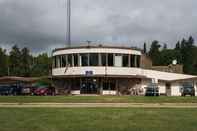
(103, 70)
(96, 70)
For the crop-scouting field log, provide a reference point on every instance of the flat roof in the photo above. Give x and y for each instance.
(99, 46)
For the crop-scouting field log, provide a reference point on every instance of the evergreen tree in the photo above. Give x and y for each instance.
(154, 52)
(26, 61)
(178, 46)
(3, 63)
(145, 48)
(15, 61)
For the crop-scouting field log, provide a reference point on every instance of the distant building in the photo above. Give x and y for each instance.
(105, 70)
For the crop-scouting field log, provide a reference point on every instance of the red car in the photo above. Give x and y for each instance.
(41, 91)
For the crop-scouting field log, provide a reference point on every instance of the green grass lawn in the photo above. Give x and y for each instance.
(97, 119)
(97, 99)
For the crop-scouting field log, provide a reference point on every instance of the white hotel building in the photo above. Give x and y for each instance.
(105, 70)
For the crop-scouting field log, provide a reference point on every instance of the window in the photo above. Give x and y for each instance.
(69, 60)
(76, 59)
(109, 85)
(138, 60)
(84, 60)
(125, 61)
(118, 60)
(94, 60)
(132, 59)
(110, 60)
(58, 61)
(54, 62)
(63, 61)
(103, 59)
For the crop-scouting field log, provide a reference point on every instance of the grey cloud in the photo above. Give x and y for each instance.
(41, 24)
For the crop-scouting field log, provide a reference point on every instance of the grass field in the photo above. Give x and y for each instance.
(96, 99)
(97, 119)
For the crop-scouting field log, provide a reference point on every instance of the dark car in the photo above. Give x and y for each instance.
(188, 90)
(10, 90)
(152, 91)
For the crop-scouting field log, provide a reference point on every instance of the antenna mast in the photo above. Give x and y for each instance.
(68, 36)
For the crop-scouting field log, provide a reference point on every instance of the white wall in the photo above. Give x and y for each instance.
(175, 89)
(162, 87)
(109, 92)
(120, 71)
(195, 86)
(76, 92)
(97, 50)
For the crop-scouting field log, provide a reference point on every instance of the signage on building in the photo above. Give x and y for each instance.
(89, 73)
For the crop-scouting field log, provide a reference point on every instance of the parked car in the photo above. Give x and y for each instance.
(152, 90)
(42, 91)
(10, 90)
(188, 90)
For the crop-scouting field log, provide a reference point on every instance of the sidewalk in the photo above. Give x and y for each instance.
(98, 105)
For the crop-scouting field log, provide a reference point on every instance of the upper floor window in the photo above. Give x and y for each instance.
(94, 59)
(69, 58)
(76, 60)
(103, 59)
(64, 61)
(110, 59)
(84, 60)
(118, 60)
(125, 61)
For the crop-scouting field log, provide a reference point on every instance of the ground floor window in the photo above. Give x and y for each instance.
(109, 85)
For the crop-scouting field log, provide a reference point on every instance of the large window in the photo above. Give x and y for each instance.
(118, 60)
(110, 60)
(76, 60)
(94, 59)
(138, 61)
(103, 59)
(84, 60)
(69, 58)
(132, 60)
(63, 61)
(109, 85)
(125, 61)
(54, 62)
(58, 61)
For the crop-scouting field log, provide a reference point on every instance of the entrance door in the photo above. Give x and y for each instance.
(89, 86)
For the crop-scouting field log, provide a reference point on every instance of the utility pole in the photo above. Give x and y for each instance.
(68, 34)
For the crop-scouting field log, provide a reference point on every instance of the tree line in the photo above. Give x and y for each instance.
(20, 62)
(185, 52)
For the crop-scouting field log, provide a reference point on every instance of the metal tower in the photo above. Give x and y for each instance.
(68, 33)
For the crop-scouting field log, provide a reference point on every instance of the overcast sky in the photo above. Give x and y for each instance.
(41, 24)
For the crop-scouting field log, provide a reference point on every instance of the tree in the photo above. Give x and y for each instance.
(26, 61)
(145, 48)
(165, 46)
(154, 52)
(3, 63)
(188, 53)
(42, 65)
(178, 46)
(15, 61)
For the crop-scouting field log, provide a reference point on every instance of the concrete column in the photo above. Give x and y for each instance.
(99, 59)
(101, 86)
(195, 87)
(117, 90)
(135, 61)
